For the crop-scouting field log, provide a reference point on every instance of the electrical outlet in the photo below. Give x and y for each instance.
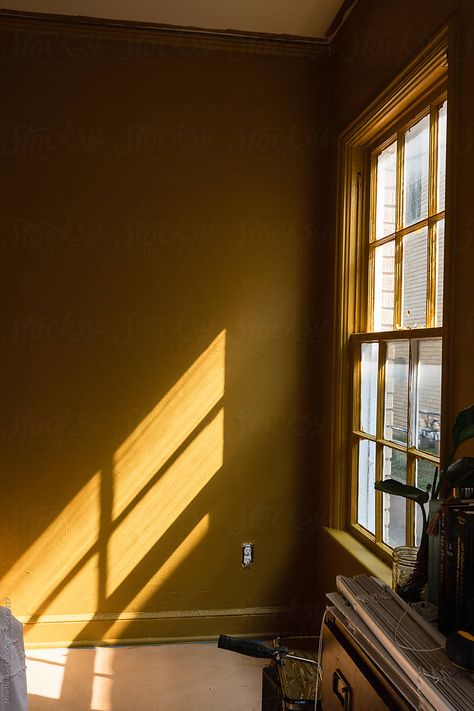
(247, 555)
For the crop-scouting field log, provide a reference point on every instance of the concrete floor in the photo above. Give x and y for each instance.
(194, 677)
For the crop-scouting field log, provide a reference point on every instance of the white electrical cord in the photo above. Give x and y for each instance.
(319, 672)
(408, 648)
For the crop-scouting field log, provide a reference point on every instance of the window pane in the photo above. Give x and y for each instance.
(384, 284)
(441, 157)
(424, 477)
(415, 278)
(366, 493)
(439, 272)
(417, 158)
(396, 391)
(394, 507)
(428, 395)
(368, 387)
(386, 182)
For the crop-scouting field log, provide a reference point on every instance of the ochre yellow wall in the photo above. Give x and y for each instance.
(376, 43)
(166, 319)
(163, 207)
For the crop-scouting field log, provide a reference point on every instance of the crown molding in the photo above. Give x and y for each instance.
(172, 34)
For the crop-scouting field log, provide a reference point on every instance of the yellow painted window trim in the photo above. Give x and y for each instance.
(422, 80)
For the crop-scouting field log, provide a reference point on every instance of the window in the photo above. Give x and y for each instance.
(389, 345)
(398, 358)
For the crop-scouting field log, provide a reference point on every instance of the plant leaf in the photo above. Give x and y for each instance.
(463, 428)
(396, 488)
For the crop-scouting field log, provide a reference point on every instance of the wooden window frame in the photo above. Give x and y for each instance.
(423, 81)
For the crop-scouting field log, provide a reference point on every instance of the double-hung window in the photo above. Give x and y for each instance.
(398, 357)
(388, 401)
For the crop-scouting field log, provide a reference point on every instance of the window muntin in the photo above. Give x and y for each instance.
(441, 177)
(398, 417)
(439, 272)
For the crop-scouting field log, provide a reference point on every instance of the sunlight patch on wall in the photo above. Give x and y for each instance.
(161, 506)
(48, 561)
(179, 555)
(45, 670)
(175, 417)
(66, 596)
(158, 471)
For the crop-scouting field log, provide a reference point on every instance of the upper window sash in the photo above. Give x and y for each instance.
(404, 256)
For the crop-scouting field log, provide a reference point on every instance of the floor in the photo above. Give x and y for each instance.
(194, 677)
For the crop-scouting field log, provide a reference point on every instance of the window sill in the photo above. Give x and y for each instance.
(359, 555)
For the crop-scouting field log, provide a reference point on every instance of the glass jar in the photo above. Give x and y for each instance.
(408, 579)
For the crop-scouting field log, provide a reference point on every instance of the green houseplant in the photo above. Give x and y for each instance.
(452, 475)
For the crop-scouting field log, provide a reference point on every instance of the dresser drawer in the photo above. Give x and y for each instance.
(350, 680)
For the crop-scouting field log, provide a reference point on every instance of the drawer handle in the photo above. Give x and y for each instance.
(342, 689)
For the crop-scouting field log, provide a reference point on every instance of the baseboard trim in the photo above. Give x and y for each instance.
(160, 615)
(165, 626)
(139, 641)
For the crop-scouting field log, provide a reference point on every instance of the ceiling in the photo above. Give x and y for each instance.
(308, 18)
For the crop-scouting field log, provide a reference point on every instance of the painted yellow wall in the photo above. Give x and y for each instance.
(163, 204)
(167, 306)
